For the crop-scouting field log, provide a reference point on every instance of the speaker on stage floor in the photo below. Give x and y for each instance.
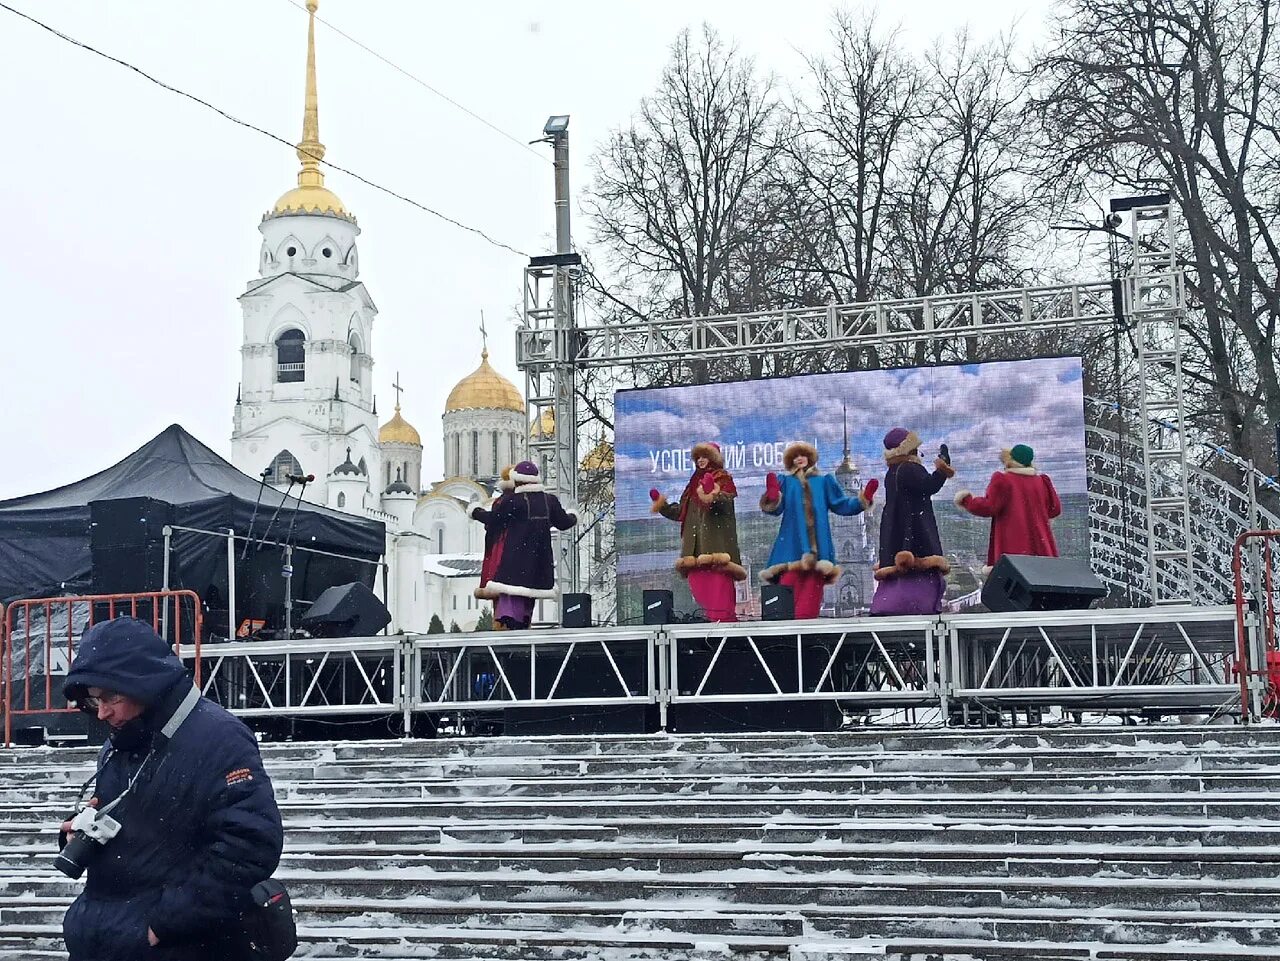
(777, 602)
(1023, 583)
(575, 610)
(658, 607)
(348, 610)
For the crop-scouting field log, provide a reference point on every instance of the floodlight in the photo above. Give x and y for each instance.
(556, 124)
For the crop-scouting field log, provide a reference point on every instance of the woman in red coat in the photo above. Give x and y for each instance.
(1020, 502)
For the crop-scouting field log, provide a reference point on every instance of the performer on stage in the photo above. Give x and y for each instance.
(494, 538)
(803, 556)
(709, 556)
(526, 568)
(1020, 502)
(912, 571)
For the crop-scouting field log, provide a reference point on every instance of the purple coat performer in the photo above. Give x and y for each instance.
(912, 569)
(526, 571)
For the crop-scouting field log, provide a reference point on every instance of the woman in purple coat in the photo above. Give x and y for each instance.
(912, 568)
(527, 569)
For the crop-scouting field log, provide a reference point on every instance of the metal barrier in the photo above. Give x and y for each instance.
(867, 661)
(1169, 658)
(533, 669)
(305, 677)
(55, 624)
(1255, 597)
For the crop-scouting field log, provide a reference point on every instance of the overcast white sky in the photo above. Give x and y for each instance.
(130, 215)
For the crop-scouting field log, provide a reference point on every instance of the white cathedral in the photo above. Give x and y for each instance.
(306, 403)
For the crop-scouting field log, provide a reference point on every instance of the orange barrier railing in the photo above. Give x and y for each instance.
(1266, 610)
(50, 628)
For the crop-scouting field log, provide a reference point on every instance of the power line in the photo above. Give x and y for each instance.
(422, 83)
(256, 129)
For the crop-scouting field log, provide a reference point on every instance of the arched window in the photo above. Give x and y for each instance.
(475, 453)
(495, 466)
(354, 343)
(291, 357)
(439, 540)
(283, 465)
(364, 468)
(457, 455)
(342, 499)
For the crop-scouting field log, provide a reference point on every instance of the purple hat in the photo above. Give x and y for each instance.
(900, 442)
(526, 472)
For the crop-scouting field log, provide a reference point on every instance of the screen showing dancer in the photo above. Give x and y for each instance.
(980, 412)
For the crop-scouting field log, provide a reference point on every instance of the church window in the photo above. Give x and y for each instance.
(364, 468)
(283, 465)
(475, 453)
(354, 343)
(439, 540)
(457, 455)
(327, 252)
(455, 602)
(291, 357)
(496, 468)
(292, 251)
(342, 499)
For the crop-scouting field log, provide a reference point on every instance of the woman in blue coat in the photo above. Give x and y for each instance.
(803, 556)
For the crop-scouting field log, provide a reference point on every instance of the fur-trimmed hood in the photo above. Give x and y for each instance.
(794, 450)
(710, 451)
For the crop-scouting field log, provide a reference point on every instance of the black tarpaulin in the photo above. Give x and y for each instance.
(44, 538)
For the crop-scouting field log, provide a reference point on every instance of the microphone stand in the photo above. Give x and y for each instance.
(287, 569)
(262, 485)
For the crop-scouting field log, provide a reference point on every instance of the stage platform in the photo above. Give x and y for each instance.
(963, 668)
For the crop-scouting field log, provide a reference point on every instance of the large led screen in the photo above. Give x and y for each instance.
(976, 409)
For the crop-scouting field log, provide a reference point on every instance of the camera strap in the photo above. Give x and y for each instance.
(168, 731)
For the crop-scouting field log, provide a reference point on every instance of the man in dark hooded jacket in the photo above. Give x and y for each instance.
(199, 826)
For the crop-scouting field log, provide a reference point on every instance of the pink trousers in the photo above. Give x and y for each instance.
(713, 590)
(807, 586)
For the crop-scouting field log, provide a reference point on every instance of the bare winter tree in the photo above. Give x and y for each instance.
(671, 196)
(1182, 95)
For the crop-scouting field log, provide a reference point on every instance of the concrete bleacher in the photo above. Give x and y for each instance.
(1158, 842)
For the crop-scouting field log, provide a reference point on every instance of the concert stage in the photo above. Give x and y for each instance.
(794, 675)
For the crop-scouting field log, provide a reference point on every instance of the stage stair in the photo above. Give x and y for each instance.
(1103, 842)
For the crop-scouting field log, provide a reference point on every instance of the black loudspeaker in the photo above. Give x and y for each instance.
(348, 610)
(1023, 583)
(575, 610)
(126, 544)
(777, 603)
(658, 607)
(127, 522)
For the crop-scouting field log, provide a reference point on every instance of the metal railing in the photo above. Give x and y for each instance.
(41, 635)
(1255, 599)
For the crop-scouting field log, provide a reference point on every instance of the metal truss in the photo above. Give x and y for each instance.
(1155, 302)
(316, 676)
(551, 393)
(942, 318)
(533, 669)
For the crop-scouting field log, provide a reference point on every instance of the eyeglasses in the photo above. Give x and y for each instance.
(92, 703)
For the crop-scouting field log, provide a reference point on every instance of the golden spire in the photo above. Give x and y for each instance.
(311, 195)
(311, 150)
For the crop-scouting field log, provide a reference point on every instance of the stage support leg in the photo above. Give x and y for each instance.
(231, 584)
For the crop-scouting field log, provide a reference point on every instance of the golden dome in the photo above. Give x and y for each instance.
(484, 389)
(545, 426)
(310, 199)
(399, 431)
(600, 458)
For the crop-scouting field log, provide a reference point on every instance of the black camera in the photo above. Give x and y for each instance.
(90, 831)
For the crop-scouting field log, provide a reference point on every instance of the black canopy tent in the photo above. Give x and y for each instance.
(45, 538)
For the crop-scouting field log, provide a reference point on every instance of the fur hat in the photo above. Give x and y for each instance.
(900, 442)
(525, 472)
(504, 478)
(710, 450)
(795, 450)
